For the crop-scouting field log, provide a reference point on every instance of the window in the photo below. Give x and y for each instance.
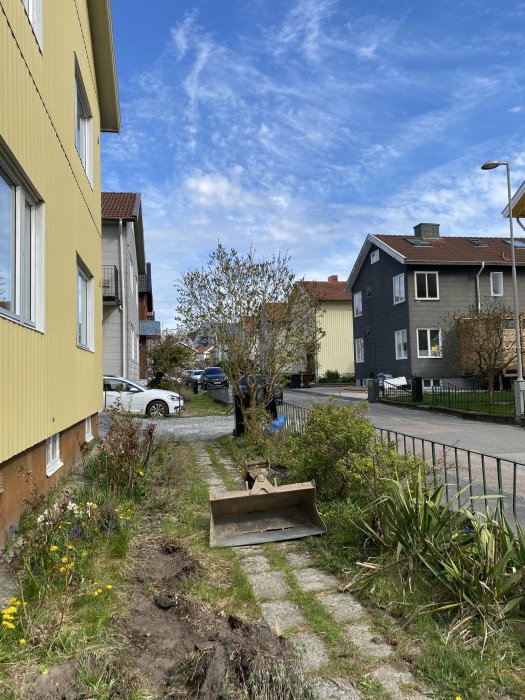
(401, 344)
(427, 285)
(431, 383)
(33, 10)
(89, 432)
(399, 289)
(85, 336)
(83, 125)
(359, 350)
(53, 454)
(20, 252)
(358, 304)
(374, 256)
(133, 344)
(428, 342)
(496, 284)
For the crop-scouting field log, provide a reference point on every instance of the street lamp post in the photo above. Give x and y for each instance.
(519, 384)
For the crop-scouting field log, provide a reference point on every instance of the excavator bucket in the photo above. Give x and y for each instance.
(266, 513)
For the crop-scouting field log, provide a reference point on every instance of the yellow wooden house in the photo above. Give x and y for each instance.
(58, 91)
(336, 350)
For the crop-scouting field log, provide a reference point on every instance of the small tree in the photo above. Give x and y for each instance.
(482, 342)
(167, 356)
(264, 322)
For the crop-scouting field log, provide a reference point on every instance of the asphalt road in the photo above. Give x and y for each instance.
(506, 441)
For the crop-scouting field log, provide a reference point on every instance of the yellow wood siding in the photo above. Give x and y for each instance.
(337, 346)
(46, 382)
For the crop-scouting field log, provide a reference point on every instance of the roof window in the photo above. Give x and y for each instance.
(517, 244)
(419, 242)
(479, 242)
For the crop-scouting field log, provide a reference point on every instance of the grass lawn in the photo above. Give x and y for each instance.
(203, 405)
(466, 401)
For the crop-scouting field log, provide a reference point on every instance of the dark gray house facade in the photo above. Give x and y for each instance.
(403, 287)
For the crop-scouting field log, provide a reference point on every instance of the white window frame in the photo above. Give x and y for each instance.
(426, 298)
(83, 125)
(89, 429)
(33, 10)
(85, 331)
(429, 355)
(401, 344)
(53, 461)
(398, 284)
(25, 295)
(357, 303)
(359, 350)
(494, 285)
(431, 383)
(374, 256)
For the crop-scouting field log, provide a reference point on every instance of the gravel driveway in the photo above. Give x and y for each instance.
(205, 428)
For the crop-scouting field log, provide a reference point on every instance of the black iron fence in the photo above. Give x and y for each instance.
(478, 481)
(110, 286)
(471, 399)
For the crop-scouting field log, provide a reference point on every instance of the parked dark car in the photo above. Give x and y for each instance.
(262, 390)
(213, 376)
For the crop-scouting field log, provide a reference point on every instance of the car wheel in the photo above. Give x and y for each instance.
(157, 409)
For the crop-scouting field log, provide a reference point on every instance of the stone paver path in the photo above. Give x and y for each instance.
(271, 587)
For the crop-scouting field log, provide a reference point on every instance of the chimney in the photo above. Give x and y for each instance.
(426, 231)
(333, 278)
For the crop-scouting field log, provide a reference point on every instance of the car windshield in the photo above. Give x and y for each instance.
(214, 370)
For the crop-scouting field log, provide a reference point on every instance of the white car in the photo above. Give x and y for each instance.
(135, 398)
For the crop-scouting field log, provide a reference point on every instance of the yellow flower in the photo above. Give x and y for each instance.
(94, 505)
(141, 473)
(14, 601)
(99, 590)
(95, 593)
(22, 641)
(458, 697)
(109, 586)
(9, 625)
(62, 569)
(8, 611)
(70, 546)
(64, 560)
(53, 548)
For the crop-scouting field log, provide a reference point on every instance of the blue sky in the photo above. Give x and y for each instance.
(303, 125)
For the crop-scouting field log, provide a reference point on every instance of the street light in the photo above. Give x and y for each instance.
(518, 385)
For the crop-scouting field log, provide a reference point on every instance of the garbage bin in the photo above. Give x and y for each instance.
(195, 386)
(295, 381)
(417, 389)
(306, 381)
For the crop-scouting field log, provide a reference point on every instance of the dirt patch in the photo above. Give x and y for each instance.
(176, 648)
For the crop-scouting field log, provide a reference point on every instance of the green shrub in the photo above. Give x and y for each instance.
(332, 376)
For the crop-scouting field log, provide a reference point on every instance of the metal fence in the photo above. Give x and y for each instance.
(478, 481)
(220, 393)
(450, 396)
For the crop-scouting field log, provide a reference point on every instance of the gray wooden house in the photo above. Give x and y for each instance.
(403, 287)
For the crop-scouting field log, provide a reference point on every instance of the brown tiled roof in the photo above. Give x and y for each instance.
(120, 205)
(455, 249)
(328, 291)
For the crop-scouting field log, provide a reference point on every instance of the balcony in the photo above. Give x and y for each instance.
(110, 288)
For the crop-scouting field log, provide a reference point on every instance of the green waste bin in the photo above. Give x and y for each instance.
(295, 381)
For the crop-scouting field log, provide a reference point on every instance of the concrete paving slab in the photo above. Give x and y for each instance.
(400, 684)
(315, 580)
(368, 641)
(334, 689)
(269, 584)
(311, 649)
(299, 560)
(248, 550)
(255, 564)
(282, 615)
(8, 588)
(343, 606)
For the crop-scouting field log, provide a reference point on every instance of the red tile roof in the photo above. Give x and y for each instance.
(120, 205)
(455, 249)
(328, 291)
